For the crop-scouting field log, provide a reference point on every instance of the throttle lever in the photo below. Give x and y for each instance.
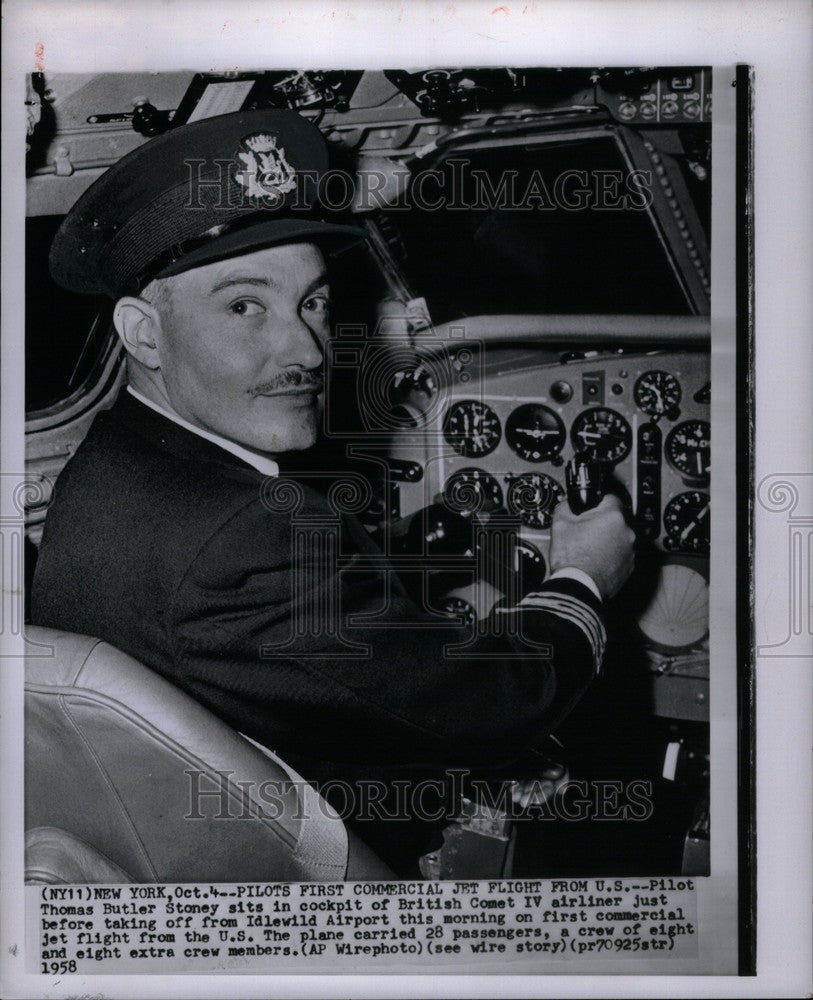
(584, 479)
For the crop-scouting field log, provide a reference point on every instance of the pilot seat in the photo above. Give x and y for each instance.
(128, 779)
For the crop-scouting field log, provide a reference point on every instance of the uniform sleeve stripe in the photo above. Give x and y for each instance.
(575, 611)
(572, 610)
(563, 603)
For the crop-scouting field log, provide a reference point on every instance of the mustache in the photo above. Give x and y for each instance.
(306, 381)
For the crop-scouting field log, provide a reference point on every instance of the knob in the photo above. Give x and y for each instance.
(436, 530)
(584, 482)
(561, 391)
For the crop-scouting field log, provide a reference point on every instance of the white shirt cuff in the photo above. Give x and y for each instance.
(572, 573)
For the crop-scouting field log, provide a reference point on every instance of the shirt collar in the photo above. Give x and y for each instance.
(263, 465)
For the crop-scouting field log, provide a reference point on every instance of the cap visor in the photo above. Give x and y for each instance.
(331, 237)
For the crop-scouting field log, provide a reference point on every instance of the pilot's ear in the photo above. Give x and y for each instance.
(138, 324)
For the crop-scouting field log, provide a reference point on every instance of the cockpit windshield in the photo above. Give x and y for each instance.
(514, 229)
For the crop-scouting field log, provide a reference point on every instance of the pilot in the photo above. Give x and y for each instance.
(172, 533)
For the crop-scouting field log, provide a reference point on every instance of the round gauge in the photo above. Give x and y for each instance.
(688, 449)
(686, 520)
(657, 393)
(533, 497)
(604, 434)
(535, 433)
(529, 565)
(677, 617)
(462, 611)
(471, 490)
(472, 428)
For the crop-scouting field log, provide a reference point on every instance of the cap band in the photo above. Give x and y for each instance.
(180, 250)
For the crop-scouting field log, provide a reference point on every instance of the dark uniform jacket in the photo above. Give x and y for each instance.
(253, 596)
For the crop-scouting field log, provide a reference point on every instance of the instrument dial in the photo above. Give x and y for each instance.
(471, 490)
(688, 449)
(686, 520)
(457, 608)
(535, 433)
(677, 616)
(533, 497)
(472, 428)
(603, 434)
(657, 393)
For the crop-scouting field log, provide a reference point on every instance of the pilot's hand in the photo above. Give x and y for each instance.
(599, 542)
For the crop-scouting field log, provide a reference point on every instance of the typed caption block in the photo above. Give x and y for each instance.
(344, 926)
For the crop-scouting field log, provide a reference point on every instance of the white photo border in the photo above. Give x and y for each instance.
(774, 38)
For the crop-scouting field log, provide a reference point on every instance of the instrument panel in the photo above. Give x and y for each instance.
(502, 440)
(497, 443)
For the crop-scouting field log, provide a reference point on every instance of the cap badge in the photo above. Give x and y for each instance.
(267, 173)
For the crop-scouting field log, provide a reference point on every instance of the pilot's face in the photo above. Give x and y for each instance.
(242, 343)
